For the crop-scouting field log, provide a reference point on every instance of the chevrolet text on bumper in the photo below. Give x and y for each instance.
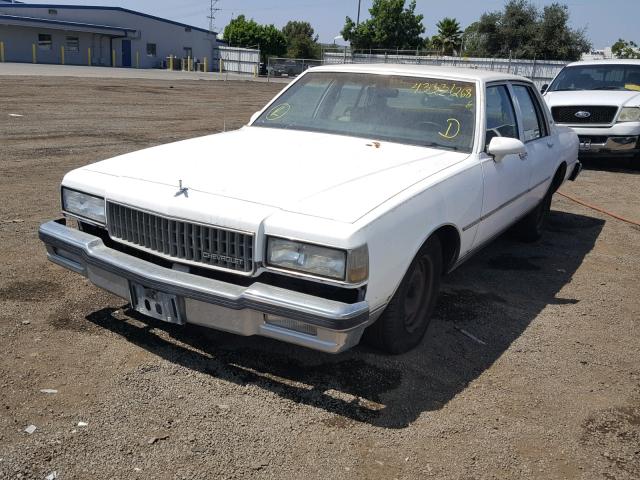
(259, 309)
(348, 240)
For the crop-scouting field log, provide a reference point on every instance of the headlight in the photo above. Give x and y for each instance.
(352, 266)
(83, 205)
(629, 114)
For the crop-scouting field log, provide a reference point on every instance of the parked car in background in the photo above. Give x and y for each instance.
(290, 68)
(600, 100)
(396, 175)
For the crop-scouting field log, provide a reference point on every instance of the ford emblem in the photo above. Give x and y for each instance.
(582, 114)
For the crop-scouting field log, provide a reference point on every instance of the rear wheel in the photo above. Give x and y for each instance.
(531, 227)
(405, 320)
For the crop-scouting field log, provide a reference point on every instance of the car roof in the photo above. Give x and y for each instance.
(606, 62)
(469, 74)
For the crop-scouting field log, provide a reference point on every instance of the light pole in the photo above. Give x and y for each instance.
(358, 18)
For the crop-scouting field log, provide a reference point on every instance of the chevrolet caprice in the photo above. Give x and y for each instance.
(394, 176)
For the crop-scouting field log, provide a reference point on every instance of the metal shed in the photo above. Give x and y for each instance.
(95, 35)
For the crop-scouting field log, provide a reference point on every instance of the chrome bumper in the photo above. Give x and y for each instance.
(623, 145)
(258, 309)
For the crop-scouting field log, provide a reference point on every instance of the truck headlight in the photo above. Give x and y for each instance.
(83, 205)
(350, 266)
(629, 114)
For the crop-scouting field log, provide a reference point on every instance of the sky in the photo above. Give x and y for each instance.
(605, 21)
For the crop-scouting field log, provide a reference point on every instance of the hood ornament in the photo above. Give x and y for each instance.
(582, 114)
(182, 190)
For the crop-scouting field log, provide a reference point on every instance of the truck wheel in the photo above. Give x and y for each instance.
(406, 318)
(531, 227)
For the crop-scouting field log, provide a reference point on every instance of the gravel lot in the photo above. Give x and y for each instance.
(550, 390)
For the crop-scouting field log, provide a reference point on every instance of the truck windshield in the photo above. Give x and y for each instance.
(412, 110)
(598, 77)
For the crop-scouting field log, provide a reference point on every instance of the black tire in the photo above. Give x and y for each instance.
(531, 227)
(405, 320)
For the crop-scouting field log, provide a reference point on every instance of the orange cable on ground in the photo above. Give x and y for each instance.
(598, 209)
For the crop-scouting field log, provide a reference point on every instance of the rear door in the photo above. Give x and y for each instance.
(538, 140)
(505, 181)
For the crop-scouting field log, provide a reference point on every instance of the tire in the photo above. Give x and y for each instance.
(404, 322)
(531, 227)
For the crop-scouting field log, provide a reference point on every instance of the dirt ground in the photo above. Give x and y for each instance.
(550, 389)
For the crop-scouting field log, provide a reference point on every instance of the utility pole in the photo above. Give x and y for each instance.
(213, 10)
(358, 19)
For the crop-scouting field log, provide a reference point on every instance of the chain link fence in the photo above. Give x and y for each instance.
(289, 67)
(539, 71)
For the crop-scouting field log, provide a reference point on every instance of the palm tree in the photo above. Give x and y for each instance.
(449, 37)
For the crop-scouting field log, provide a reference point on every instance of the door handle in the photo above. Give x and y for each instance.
(523, 155)
(550, 144)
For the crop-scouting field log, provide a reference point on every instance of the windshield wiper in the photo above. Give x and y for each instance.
(439, 145)
(610, 87)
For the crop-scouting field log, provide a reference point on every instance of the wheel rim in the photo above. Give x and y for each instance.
(417, 295)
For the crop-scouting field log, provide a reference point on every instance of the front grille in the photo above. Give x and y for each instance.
(597, 114)
(181, 240)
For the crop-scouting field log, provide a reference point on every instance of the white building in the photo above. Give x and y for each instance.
(81, 35)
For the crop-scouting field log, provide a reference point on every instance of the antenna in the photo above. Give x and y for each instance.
(213, 10)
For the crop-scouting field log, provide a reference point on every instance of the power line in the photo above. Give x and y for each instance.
(213, 10)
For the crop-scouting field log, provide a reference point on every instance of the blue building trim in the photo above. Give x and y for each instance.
(118, 9)
(46, 21)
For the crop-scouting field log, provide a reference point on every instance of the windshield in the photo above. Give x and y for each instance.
(411, 110)
(598, 77)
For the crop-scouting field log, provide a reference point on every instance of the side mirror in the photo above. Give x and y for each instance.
(254, 117)
(544, 88)
(500, 147)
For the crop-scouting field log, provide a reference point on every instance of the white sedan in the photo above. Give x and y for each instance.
(333, 214)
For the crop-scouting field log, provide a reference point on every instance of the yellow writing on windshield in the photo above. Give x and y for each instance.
(443, 89)
(279, 111)
(453, 129)
(632, 86)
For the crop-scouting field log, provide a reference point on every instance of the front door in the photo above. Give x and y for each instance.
(126, 53)
(506, 181)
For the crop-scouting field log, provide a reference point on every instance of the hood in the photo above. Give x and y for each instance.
(626, 98)
(335, 177)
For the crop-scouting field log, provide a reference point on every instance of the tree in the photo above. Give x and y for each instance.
(521, 30)
(302, 42)
(249, 34)
(449, 37)
(391, 26)
(624, 49)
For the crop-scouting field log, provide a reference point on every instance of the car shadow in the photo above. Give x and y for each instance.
(612, 164)
(485, 305)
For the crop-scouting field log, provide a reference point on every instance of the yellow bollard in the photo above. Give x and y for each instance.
(171, 62)
(33, 53)
(113, 57)
(189, 64)
(89, 56)
(255, 71)
(137, 59)
(2, 52)
(61, 55)
(220, 65)
(206, 69)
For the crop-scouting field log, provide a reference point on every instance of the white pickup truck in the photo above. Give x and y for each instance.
(600, 101)
(394, 176)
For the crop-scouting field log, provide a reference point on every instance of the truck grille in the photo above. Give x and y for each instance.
(598, 114)
(192, 242)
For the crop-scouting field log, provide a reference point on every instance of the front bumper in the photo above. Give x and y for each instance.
(258, 309)
(620, 139)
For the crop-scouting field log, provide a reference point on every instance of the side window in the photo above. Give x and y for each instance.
(501, 116)
(532, 117)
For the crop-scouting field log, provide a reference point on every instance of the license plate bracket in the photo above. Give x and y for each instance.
(156, 304)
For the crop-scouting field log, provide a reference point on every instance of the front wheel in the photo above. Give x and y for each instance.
(405, 320)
